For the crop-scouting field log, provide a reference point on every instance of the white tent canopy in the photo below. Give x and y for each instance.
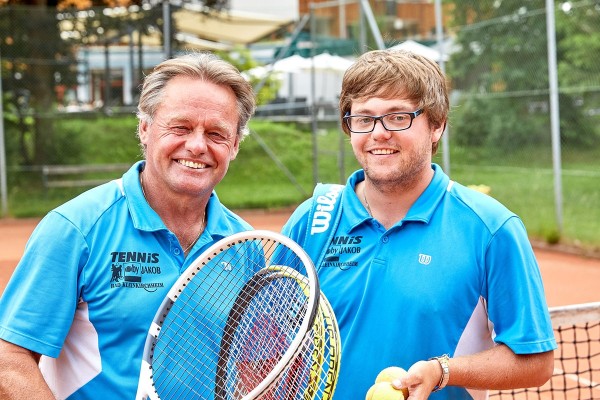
(295, 73)
(328, 62)
(420, 49)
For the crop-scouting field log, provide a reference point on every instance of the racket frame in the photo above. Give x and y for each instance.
(146, 383)
(326, 317)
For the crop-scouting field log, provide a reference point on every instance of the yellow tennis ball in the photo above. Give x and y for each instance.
(369, 395)
(390, 374)
(384, 391)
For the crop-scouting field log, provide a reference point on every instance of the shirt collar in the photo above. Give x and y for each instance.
(143, 216)
(428, 201)
(421, 210)
(146, 219)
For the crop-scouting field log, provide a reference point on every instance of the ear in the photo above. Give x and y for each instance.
(143, 133)
(437, 132)
(235, 148)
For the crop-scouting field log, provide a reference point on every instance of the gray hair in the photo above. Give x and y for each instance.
(201, 65)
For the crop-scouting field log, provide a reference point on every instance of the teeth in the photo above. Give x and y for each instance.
(191, 164)
(383, 151)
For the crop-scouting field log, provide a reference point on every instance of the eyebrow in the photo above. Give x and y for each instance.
(225, 128)
(218, 125)
(365, 111)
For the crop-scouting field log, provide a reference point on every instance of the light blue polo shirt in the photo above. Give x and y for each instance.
(455, 276)
(93, 274)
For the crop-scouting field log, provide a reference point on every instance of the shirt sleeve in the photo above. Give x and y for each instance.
(516, 300)
(39, 302)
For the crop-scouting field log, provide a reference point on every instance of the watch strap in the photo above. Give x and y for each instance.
(444, 363)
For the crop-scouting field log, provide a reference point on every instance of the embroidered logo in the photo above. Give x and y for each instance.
(340, 249)
(226, 266)
(424, 259)
(129, 268)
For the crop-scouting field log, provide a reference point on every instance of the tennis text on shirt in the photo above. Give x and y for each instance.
(133, 269)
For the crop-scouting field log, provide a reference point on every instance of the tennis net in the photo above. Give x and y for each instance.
(577, 360)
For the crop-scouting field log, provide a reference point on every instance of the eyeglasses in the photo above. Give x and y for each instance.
(396, 121)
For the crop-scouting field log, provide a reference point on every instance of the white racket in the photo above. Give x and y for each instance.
(233, 327)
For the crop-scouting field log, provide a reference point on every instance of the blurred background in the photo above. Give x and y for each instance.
(525, 96)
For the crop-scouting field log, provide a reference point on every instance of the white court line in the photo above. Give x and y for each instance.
(576, 378)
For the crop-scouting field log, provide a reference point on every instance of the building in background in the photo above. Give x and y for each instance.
(398, 20)
(110, 72)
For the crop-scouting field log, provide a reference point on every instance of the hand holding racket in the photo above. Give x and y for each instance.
(245, 321)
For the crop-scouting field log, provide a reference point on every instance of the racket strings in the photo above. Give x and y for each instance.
(270, 322)
(312, 373)
(184, 357)
(186, 352)
(190, 343)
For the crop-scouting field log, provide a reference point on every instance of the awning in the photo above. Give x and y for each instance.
(209, 30)
(231, 27)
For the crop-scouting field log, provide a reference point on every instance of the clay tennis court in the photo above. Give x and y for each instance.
(569, 279)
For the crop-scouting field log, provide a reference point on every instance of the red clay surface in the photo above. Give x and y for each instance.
(568, 279)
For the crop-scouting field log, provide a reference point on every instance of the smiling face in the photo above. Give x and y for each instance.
(192, 137)
(394, 158)
(415, 81)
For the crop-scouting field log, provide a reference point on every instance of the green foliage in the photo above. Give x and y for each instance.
(501, 73)
(497, 123)
(106, 140)
(552, 237)
(578, 35)
(34, 61)
(255, 180)
(116, 134)
(242, 59)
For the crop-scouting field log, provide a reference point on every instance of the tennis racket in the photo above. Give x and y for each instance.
(232, 327)
(314, 370)
(326, 343)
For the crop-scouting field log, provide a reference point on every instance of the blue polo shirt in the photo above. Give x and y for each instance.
(455, 276)
(93, 274)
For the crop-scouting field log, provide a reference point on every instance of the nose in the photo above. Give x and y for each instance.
(379, 131)
(197, 142)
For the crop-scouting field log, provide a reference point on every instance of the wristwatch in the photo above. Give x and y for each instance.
(443, 360)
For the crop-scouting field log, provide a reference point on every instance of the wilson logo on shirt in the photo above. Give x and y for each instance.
(135, 270)
(424, 259)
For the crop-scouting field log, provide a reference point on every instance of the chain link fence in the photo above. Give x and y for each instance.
(61, 69)
(500, 132)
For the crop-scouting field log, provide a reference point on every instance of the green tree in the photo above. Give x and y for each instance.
(578, 35)
(242, 59)
(502, 57)
(34, 64)
(39, 40)
(502, 68)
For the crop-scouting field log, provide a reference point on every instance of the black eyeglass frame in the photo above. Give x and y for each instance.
(412, 114)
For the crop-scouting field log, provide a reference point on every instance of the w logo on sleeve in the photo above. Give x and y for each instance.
(424, 259)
